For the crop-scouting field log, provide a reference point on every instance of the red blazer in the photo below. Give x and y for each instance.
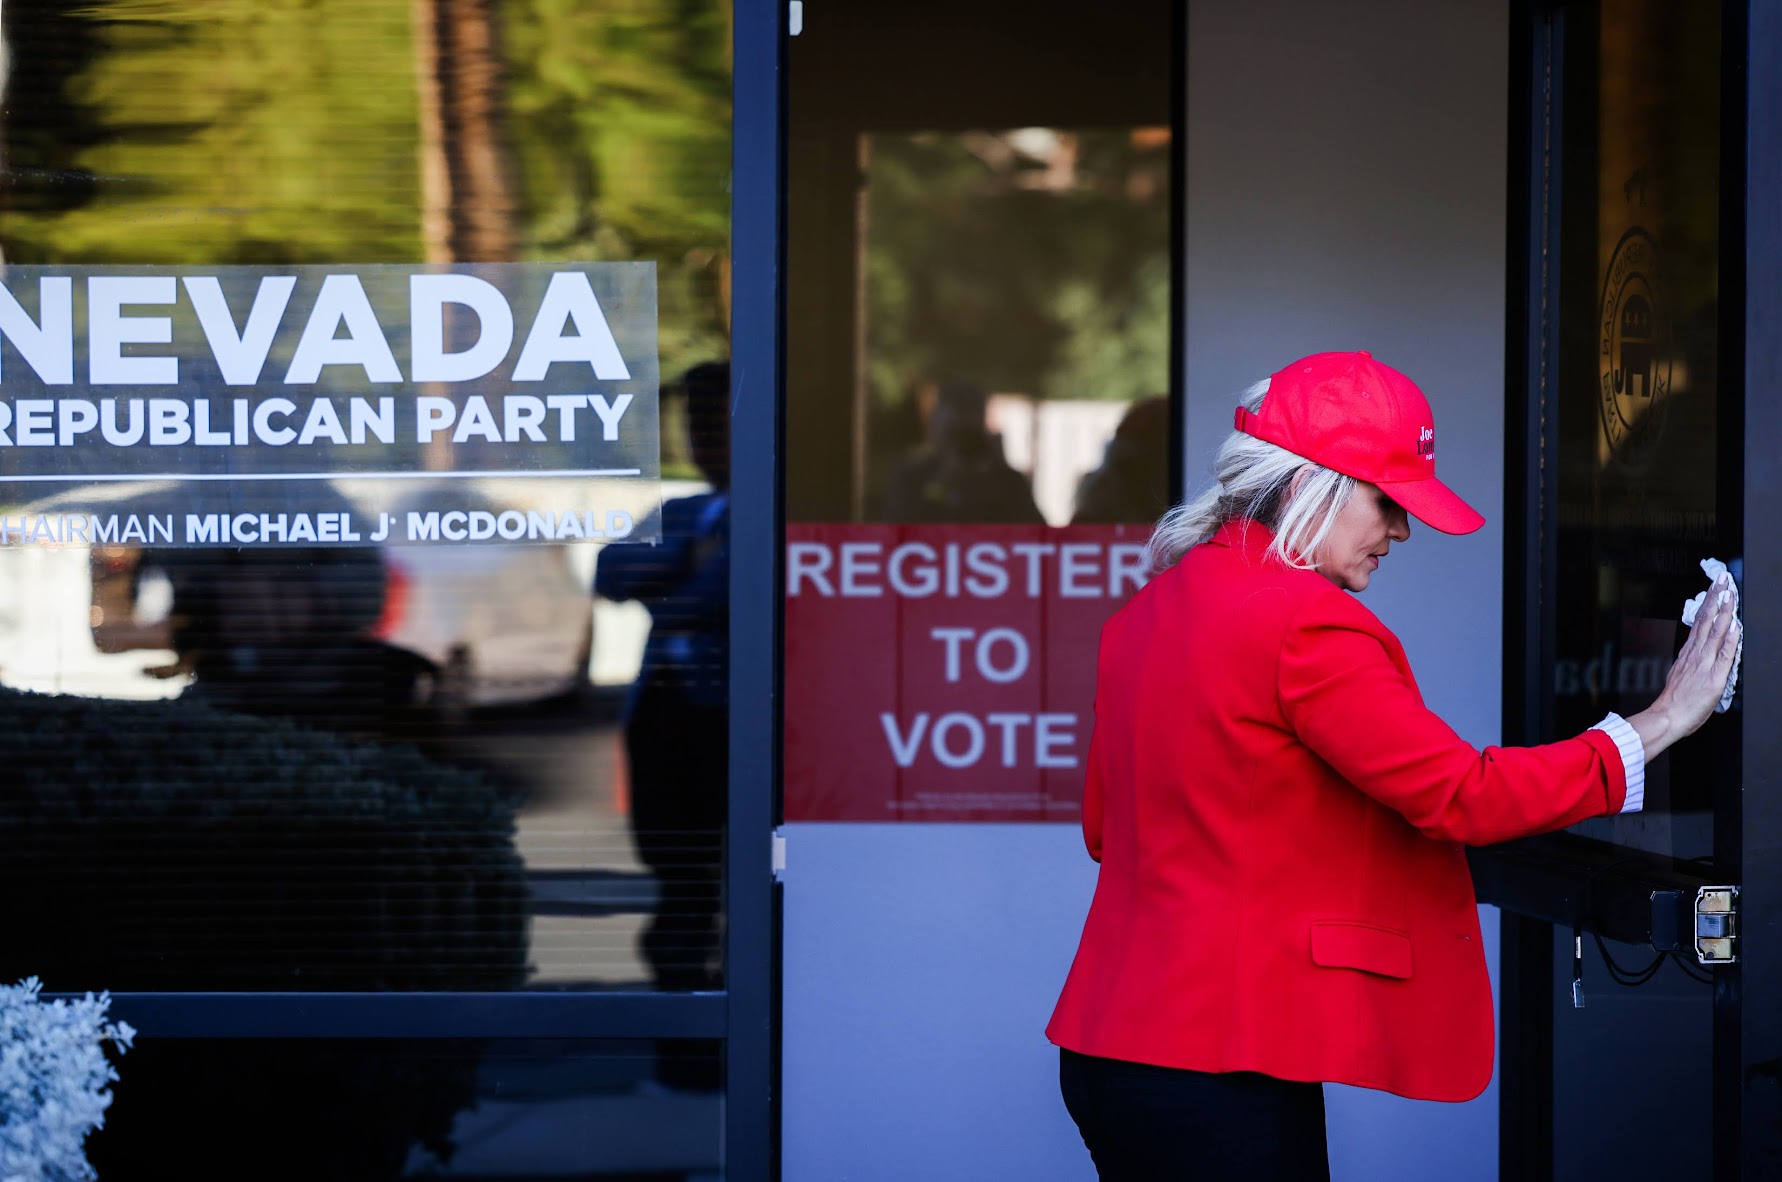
(1280, 823)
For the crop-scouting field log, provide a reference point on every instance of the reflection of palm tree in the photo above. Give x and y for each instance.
(467, 192)
(466, 162)
(46, 119)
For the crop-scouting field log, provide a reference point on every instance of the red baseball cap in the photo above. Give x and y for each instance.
(1356, 416)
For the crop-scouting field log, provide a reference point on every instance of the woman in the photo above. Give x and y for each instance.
(1284, 896)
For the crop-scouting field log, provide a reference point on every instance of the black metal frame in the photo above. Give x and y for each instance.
(1734, 825)
(1525, 1097)
(1568, 880)
(1749, 1041)
(757, 527)
(1178, 253)
(565, 1014)
(1543, 882)
(744, 1017)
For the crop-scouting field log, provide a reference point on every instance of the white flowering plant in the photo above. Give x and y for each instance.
(55, 1081)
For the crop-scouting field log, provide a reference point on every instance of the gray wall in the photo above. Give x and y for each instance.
(1346, 191)
(921, 964)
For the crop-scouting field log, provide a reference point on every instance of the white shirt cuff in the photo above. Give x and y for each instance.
(1633, 758)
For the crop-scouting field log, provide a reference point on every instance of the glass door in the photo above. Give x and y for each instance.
(1624, 984)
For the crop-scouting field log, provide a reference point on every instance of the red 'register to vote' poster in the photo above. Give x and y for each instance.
(946, 672)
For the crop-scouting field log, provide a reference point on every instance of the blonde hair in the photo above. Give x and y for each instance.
(1254, 480)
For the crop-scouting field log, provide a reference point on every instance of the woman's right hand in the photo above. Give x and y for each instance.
(1698, 678)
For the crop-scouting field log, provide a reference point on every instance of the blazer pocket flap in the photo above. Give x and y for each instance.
(1340, 944)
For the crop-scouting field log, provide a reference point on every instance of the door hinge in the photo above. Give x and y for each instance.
(1717, 924)
(779, 856)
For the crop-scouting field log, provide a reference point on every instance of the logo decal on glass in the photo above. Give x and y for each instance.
(232, 406)
(1634, 353)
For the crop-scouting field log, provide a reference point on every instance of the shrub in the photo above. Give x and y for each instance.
(165, 845)
(151, 846)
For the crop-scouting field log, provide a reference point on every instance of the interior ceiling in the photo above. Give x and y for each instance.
(936, 65)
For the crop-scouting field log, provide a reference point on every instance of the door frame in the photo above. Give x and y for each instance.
(1540, 882)
(757, 536)
(1752, 1043)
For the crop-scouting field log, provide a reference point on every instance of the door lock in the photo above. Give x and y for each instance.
(1708, 925)
(1717, 924)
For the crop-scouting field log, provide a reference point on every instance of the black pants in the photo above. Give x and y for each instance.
(679, 754)
(1161, 1124)
(680, 767)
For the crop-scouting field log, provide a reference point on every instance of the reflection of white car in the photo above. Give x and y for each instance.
(48, 616)
(501, 624)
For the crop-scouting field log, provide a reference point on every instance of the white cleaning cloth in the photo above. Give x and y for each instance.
(1714, 569)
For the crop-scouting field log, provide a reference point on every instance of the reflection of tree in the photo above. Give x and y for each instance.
(277, 131)
(43, 126)
(467, 203)
(467, 197)
(622, 139)
(1116, 348)
(1032, 260)
(301, 131)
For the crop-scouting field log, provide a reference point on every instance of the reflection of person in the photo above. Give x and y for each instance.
(278, 631)
(958, 474)
(677, 733)
(1283, 898)
(1132, 483)
(285, 631)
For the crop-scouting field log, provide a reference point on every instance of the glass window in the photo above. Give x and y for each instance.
(1016, 349)
(383, 766)
(1648, 482)
(978, 387)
